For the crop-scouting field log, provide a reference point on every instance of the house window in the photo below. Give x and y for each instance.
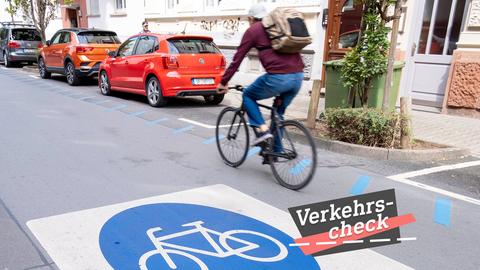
(212, 3)
(173, 3)
(93, 7)
(120, 4)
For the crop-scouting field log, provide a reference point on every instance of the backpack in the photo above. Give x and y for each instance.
(287, 30)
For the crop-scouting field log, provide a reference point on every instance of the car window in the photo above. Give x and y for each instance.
(188, 46)
(146, 45)
(26, 34)
(56, 38)
(98, 37)
(126, 49)
(65, 37)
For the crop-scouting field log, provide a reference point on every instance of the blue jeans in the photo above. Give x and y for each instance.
(286, 86)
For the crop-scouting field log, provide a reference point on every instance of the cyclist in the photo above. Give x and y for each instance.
(283, 78)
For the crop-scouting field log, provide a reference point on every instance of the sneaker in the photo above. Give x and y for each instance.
(261, 137)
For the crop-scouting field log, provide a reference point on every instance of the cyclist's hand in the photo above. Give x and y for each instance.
(222, 89)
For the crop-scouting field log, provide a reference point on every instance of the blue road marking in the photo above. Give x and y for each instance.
(360, 185)
(253, 151)
(138, 113)
(184, 129)
(443, 211)
(158, 121)
(213, 139)
(85, 98)
(304, 163)
(116, 108)
(101, 102)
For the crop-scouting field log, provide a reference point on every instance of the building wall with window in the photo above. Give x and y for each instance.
(125, 17)
(226, 21)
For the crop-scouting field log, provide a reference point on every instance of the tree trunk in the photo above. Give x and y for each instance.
(391, 57)
(314, 100)
(405, 122)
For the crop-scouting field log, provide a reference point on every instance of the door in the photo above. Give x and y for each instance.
(140, 61)
(54, 55)
(48, 50)
(435, 34)
(120, 66)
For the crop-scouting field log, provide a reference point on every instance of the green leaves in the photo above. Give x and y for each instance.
(368, 127)
(369, 58)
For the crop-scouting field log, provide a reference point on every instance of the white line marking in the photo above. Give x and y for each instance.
(379, 240)
(3, 68)
(353, 242)
(437, 190)
(407, 239)
(33, 76)
(193, 122)
(326, 243)
(196, 123)
(436, 169)
(299, 244)
(389, 203)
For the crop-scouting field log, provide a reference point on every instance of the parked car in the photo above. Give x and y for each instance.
(19, 43)
(76, 53)
(163, 66)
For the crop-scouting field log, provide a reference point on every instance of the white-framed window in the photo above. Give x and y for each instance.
(171, 4)
(93, 7)
(120, 4)
(212, 3)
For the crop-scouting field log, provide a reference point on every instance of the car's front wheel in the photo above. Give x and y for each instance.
(42, 69)
(72, 77)
(214, 99)
(154, 93)
(104, 83)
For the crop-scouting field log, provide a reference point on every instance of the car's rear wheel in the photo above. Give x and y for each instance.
(6, 62)
(42, 69)
(104, 83)
(214, 99)
(154, 93)
(72, 77)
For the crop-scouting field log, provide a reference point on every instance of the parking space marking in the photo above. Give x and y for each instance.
(196, 123)
(138, 113)
(182, 130)
(443, 211)
(116, 108)
(102, 102)
(158, 121)
(213, 139)
(360, 185)
(33, 76)
(253, 151)
(436, 169)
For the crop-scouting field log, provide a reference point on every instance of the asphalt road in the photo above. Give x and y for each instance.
(64, 149)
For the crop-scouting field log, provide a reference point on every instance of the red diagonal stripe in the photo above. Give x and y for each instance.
(313, 248)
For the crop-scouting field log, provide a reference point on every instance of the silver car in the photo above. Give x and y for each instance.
(19, 43)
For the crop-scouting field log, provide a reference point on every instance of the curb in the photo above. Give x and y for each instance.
(391, 154)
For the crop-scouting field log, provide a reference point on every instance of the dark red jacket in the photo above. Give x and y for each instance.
(272, 62)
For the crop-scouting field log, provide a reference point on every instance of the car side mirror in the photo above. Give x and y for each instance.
(48, 43)
(112, 54)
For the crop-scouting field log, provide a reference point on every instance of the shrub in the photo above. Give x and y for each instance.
(368, 127)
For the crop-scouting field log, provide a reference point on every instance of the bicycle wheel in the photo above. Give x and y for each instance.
(232, 136)
(292, 155)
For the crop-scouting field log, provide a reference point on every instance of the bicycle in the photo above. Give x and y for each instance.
(221, 250)
(291, 153)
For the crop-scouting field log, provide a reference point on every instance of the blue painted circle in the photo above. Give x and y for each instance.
(124, 240)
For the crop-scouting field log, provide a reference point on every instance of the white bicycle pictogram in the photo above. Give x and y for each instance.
(164, 249)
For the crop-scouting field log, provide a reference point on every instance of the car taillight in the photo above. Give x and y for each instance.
(170, 62)
(84, 49)
(40, 45)
(13, 45)
(223, 63)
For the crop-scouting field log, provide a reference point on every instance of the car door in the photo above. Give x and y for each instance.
(50, 60)
(120, 66)
(58, 53)
(141, 59)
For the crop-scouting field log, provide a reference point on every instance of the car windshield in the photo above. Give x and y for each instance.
(26, 35)
(188, 46)
(98, 38)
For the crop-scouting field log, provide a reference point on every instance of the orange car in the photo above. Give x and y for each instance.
(164, 66)
(76, 53)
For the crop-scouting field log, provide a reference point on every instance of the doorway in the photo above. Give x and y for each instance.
(72, 16)
(434, 36)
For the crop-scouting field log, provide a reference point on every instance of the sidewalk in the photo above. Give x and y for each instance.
(429, 126)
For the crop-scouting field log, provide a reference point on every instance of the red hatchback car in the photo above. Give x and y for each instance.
(163, 66)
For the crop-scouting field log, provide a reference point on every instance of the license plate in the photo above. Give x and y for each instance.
(208, 81)
(31, 51)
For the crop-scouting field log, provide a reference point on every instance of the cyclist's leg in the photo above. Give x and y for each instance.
(257, 91)
(285, 98)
